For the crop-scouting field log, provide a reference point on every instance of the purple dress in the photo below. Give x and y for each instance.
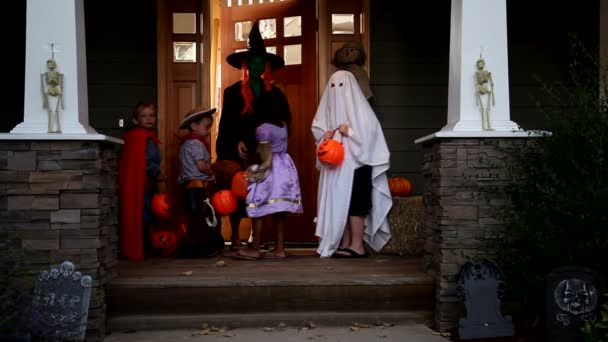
(280, 191)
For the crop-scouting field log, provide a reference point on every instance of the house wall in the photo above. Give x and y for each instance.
(121, 60)
(409, 67)
(13, 12)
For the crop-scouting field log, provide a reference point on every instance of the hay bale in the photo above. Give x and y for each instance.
(406, 220)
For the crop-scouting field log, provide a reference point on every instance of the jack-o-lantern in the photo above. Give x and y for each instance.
(239, 185)
(160, 206)
(330, 153)
(164, 240)
(224, 202)
(400, 186)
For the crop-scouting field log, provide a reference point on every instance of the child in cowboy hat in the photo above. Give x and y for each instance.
(197, 180)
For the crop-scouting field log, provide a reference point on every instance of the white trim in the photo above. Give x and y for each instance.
(53, 136)
(481, 134)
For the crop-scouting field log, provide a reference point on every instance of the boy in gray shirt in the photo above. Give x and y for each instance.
(203, 237)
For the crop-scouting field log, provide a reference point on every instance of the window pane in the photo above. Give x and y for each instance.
(292, 26)
(343, 24)
(292, 54)
(184, 51)
(241, 30)
(184, 23)
(268, 28)
(271, 49)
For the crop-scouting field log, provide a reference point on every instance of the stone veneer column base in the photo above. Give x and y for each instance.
(58, 201)
(463, 179)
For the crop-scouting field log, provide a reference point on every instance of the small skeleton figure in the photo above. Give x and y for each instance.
(485, 88)
(54, 89)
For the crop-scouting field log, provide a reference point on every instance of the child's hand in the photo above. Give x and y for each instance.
(328, 135)
(343, 128)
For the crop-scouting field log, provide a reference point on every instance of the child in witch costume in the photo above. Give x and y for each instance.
(203, 237)
(245, 103)
(138, 173)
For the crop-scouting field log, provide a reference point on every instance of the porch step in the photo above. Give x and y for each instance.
(157, 293)
(122, 323)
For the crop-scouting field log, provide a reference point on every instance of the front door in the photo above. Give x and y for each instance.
(289, 29)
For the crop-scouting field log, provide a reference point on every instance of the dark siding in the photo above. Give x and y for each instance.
(409, 77)
(409, 66)
(13, 23)
(539, 50)
(121, 60)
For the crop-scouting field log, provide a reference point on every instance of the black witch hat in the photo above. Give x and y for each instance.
(255, 47)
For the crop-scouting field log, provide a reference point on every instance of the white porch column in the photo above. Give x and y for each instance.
(476, 26)
(61, 23)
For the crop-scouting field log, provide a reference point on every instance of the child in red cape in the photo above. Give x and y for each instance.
(138, 172)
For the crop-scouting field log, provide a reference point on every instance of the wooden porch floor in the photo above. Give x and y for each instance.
(302, 267)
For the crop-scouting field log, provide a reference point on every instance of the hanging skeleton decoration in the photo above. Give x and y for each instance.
(51, 85)
(484, 89)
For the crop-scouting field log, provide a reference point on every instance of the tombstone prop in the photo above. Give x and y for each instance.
(61, 304)
(572, 300)
(481, 287)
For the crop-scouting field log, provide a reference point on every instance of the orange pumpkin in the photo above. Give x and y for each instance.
(165, 240)
(330, 153)
(224, 202)
(239, 185)
(160, 206)
(400, 186)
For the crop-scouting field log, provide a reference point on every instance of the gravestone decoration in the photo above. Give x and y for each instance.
(481, 287)
(572, 298)
(60, 306)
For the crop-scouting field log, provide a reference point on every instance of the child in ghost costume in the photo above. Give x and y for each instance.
(343, 107)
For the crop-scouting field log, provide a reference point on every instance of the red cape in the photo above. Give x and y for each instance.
(131, 182)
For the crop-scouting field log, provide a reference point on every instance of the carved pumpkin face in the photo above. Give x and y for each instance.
(330, 153)
(400, 186)
(224, 202)
(239, 185)
(160, 206)
(164, 240)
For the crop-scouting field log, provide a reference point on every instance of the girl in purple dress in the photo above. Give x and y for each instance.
(274, 187)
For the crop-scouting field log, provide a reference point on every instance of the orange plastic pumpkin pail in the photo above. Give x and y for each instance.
(224, 202)
(330, 153)
(239, 185)
(160, 206)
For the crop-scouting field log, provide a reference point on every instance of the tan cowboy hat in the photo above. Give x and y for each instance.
(194, 115)
(255, 47)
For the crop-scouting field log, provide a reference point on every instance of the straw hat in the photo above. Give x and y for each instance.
(194, 115)
(255, 47)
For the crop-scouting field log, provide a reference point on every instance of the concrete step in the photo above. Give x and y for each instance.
(122, 323)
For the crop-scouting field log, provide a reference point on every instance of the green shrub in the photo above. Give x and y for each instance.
(558, 210)
(598, 331)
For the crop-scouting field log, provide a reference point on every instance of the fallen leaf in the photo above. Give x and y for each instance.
(354, 328)
(359, 325)
(282, 325)
(303, 329)
(187, 273)
(311, 325)
(329, 268)
(268, 329)
(220, 263)
(228, 334)
(384, 324)
(383, 336)
(202, 332)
